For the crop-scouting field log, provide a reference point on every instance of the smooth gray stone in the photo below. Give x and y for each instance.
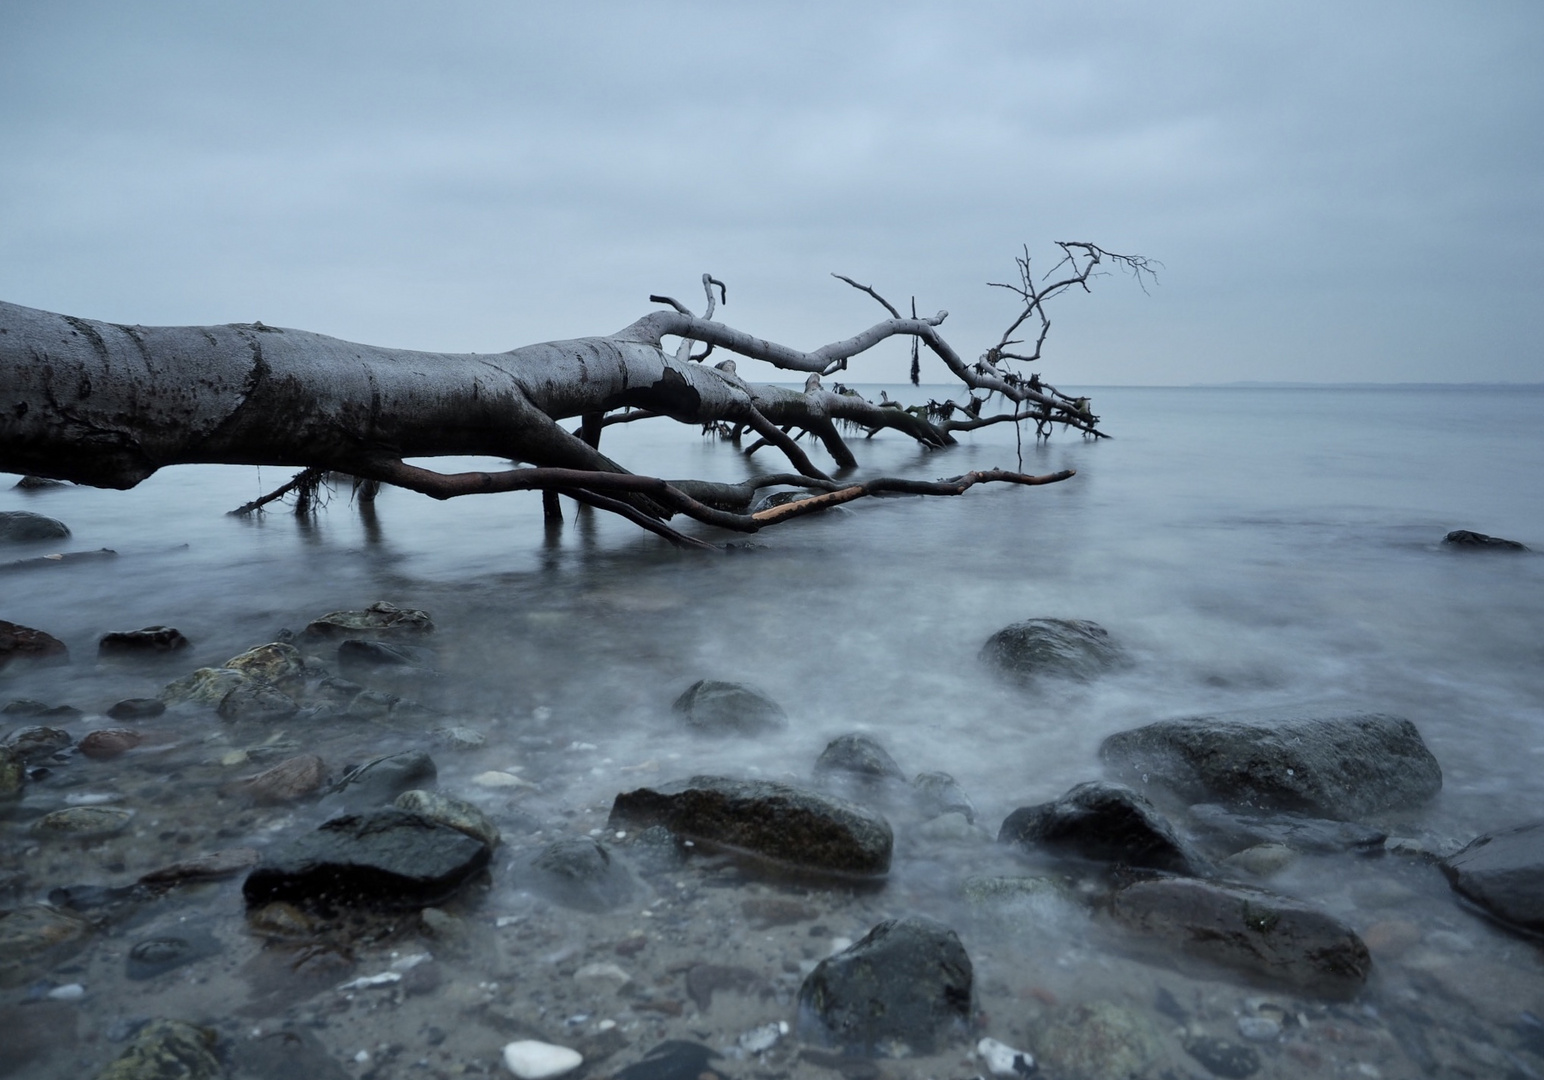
(1064, 648)
(1103, 822)
(1503, 873)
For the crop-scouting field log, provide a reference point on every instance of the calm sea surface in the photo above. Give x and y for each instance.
(1248, 547)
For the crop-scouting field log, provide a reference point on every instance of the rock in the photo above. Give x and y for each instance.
(1340, 767)
(1097, 1041)
(137, 709)
(1222, 1058)
(21, 527)
(1503, 873)
(35, 936)
(581, 874)
(532, 1060)
(705, 980)
(1105, 823)
(1001, 1059)
(22, 644)
(156, 956)
(276, 663)
(288, 1052)
(39, 483)
(1298, 832)
(358, 659)
(938, 793)
(458, 737)
(206, 686)
(1259, 1028)
(13, 774)
(674, 1059)
(1463, 538)
(289, 781)
(726, 708)
(858, 760)
(379, 620)
(1248, 930)
(386, 858)
(107, 743)
(1262, 860)
(788, 825)
(83, 822)
(1063, 648)
(461, 816)
(34, 744)
(378, 782)
(905, 988)
(149, 641)
(256, 701)
(211, 867)
(168, 1050)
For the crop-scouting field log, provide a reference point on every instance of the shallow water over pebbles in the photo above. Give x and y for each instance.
(1248, 548)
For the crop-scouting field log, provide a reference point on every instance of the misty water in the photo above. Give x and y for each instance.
(1247, 547)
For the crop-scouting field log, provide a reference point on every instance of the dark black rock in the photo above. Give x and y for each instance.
(857, 759)
(22, 644)
(1221, 1058)
(1235, 831)
(149, 641)
(137, 709)
(385, 859)
(1341, 767)
(581, 874)
(34, 744)
(38, 483)
(1503, 873)
(20, 526)
(1064, 648)
(378, 782)
(1104, 822)
(1463, 538)
(727, 708)
(905, 988)
(155, 956)
(939, 793)
(1251, 931)
(788, 825)
(24, 707)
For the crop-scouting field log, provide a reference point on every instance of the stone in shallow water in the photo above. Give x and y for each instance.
(938, 793)
(35, 744)
(857, 758)
(905, 988)
(378, 620)
(1226, 828)
(1001, 1059)
(35, 935)
(167, 1050)
(674, 1059)
(147, 641)
(459, 815)
(22, 526)
(23, 644)
(581, 874)
(1340, 767)
(1503, 873)
(107, 743)
(156, 956)
(532, 1060)
(205, 686)
(1222, 1058)
(378, 782)
(290, 780)
(1097, 1041)
(1104, 822)
(1062, 648)
(137, 709)
(211, 867)
(1464, 538)
(788, 825)
(727, 708)
(83, 822)
(256, 700)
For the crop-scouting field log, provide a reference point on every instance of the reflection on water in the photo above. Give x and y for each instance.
(1248, 548)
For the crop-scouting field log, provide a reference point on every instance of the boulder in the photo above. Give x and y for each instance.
(801, 829)
(148, 641)
(276, 663)
(1063, 648)
(1103, 822)
(1339, 767)
(1463, 538)
(857, 759)
(1233, 831)
(581, 874)
(727, 708)
(1251, 931)
(905, 988)
(1503, 873)
(387, 858)
(21, 526)
(22, 644)
(168, 1050)
(379, 620)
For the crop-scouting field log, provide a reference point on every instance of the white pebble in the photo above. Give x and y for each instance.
(408, 963)
(493, 778)
(90, 798)
(372, 982)
(1003, 1060)
(1259, 1028)
(532, 1060)
(761, 1039)
(67, 992)
(603, 973)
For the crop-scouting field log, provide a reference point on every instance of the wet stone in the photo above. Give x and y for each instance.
(532, 1060)
(1222, 1058)
(581, 874)
(206, 686)
(938, 793)
(13, 773)
(150, 957)
(167, 1050)
(801, 829)
(34, 935)
(276, 663)
(1061, 648)
(213, 866)
(290, 780)
(705, 980)
(1102, 822)
(379, 620)
(1096, 1041)
(1503, 873)
(378, 782)
(383, 859)
(22, 644)
(1224, 827)
(710, 707)
(22, 526)
(137, 709)
(905, 988)
(83, 822)
(34, 744)
(674, 1059)
(460, 738)
(1339, 767)
(109, 742)
(459, 815)
(256, 701)
(857, 759)
(147, 641)
(1475, 541)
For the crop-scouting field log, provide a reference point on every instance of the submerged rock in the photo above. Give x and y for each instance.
(1463, 538)
(378, 782)
(22, 526)
(802, 829)
(1341, 767)
(289, 781)
(359, 659)
(938, 793)
(83, 822)
(385, 858)
(1299, 832)
(381, 620)
(205, 686)
(137, 709)
(1222, 1058)
(1248, 930)
(1103, 822)
(22, 644)
(857, 759)
(148, 641)
(905, 988)
(1063, 648)
(168, 1050)
(1503, 873)
(711, 707)
(276, 663)
(1097, 1041)
(33, 937)
(581, 874)
(34, 744)
(13, 773)
(105, 743)
(255, 700)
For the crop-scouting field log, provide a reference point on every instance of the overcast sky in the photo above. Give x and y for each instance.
(1338, 191)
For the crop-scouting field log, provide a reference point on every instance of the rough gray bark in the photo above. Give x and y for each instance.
(108, 405)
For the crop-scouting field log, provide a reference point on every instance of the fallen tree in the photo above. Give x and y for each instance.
(108, 405)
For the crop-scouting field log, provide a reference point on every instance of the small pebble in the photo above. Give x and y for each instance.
(761, 1039)
(1003, 1060)
(67, 992)
(494, 778)
(1259, 1028)
(532, 1060)
(373, 982)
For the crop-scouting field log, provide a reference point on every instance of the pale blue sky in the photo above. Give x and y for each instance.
(1337, 191)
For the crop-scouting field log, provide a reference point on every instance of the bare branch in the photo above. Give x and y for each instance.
(870, 290)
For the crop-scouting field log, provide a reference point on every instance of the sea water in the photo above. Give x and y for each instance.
(1247, 547)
